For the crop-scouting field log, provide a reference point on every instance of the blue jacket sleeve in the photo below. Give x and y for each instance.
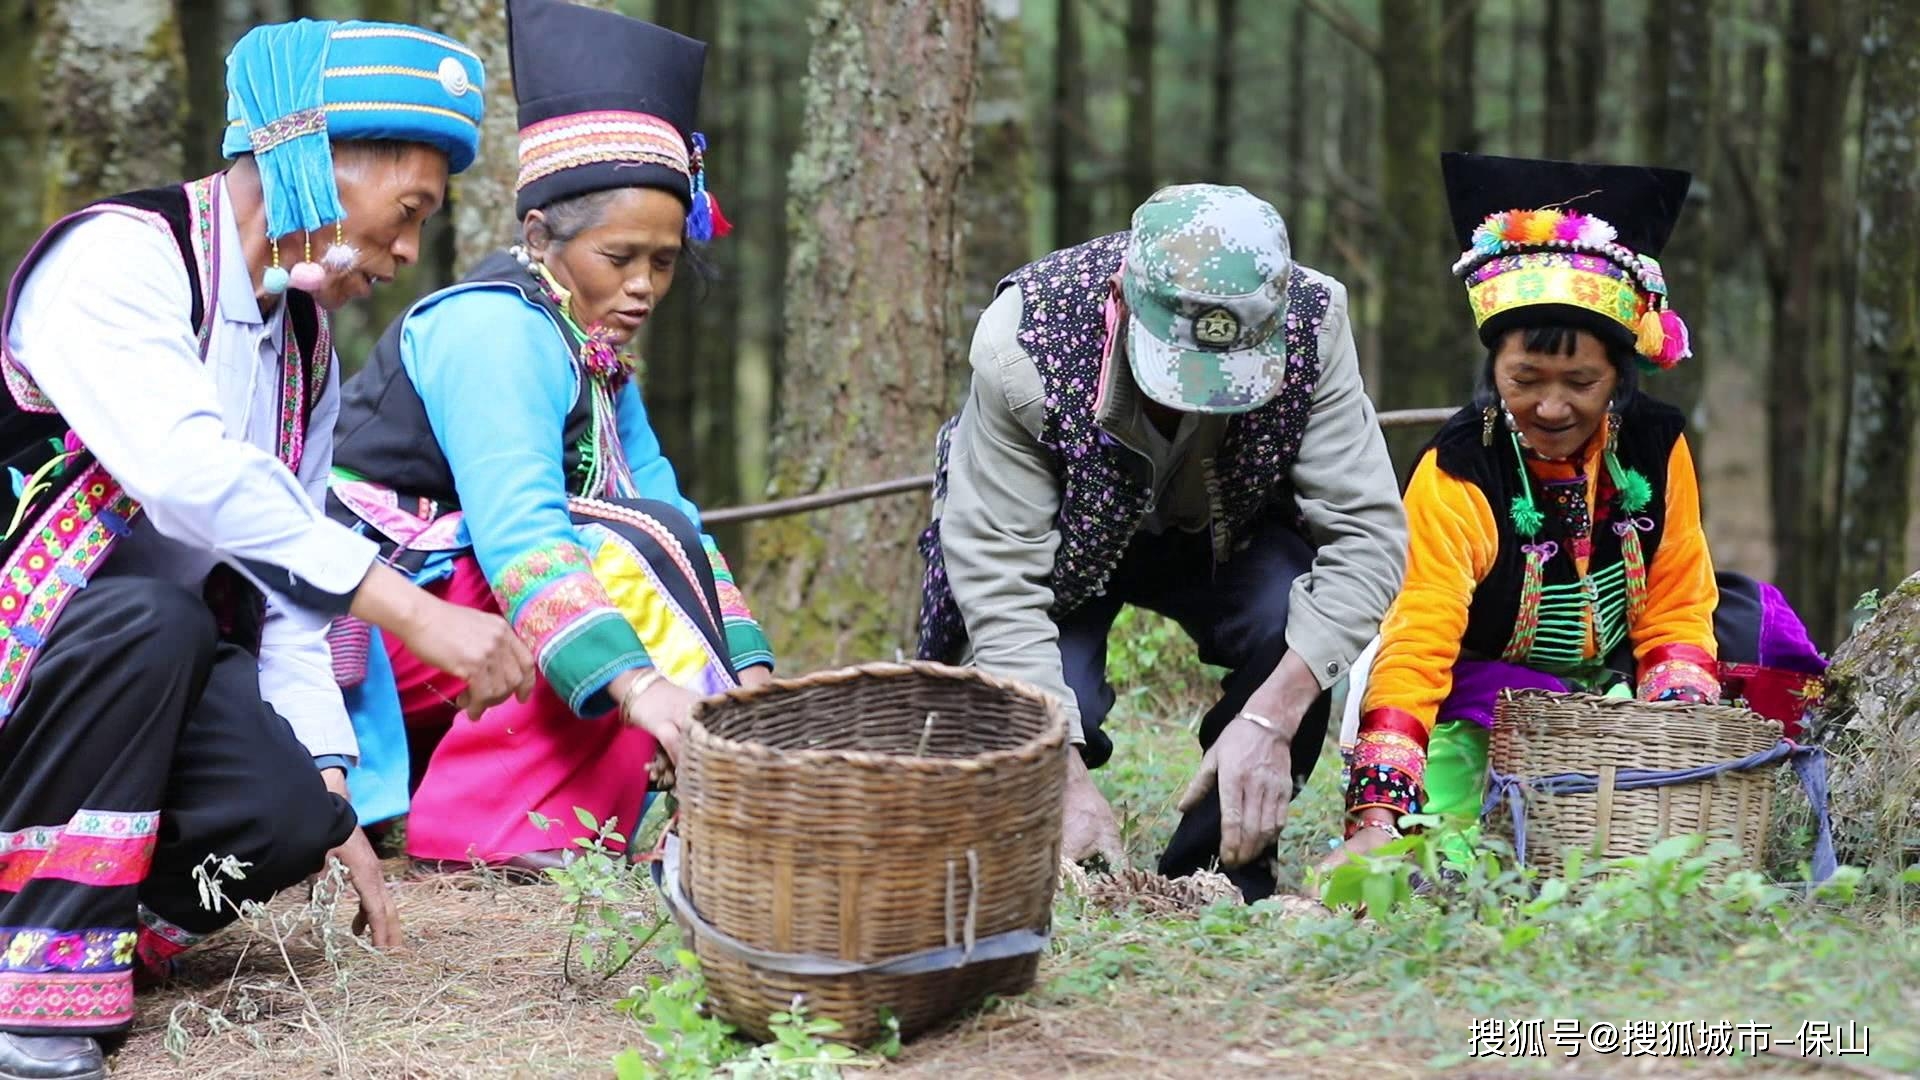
(497, 381)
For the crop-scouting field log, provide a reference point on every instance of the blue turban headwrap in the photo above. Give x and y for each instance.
(293, 88)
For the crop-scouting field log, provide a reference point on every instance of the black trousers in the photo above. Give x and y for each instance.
(1236, 614)
(140, 748)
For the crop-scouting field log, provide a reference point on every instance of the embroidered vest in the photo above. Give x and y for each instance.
(64, 513)
(1103, 495)
(383, 436)
(1553, 634)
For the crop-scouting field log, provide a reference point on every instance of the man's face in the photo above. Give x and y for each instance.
(388, 192)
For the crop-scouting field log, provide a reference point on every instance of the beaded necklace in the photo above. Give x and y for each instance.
(603, 459)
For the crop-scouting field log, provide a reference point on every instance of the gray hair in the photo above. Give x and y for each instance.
(563, 220)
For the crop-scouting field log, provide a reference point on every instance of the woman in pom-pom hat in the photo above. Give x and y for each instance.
(497, 446)
(1555, 535)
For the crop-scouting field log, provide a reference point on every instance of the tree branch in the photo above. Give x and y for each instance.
(1772, 245)
(1347, 27)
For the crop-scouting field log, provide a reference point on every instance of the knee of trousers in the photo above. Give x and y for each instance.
(164, 628)
(286, 831)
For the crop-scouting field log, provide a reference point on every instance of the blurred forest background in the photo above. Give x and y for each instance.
(886, 161)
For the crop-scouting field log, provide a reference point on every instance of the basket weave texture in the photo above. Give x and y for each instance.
(1537, 734)
(857, 815)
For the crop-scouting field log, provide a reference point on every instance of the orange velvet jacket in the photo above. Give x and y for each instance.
(1453, 542)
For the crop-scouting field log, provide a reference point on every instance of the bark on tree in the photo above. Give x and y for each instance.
(1459, 74)
(789, 114)
(672, 348)
(22, 134)
(717, 365)
(998, 220)
(1885, 393)
(873, 280)
(1821, 39)
(1556, 90)
(1683, 122)
(1227, 30)
(1584, 51)
(1421, 358)
(118, 68)
(1072, 207)
(1300, 108)
(1138, 173)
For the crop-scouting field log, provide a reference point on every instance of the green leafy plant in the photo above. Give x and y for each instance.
(612, 922)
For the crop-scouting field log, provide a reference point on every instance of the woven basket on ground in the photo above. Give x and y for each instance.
(854, 817)
(1537, 734)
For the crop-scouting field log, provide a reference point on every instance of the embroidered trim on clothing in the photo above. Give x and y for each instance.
(1393, 749)
(167, 931)
(1385, 787)
(66, 1000)
(97, 847)
(292, 126)
(39, 950)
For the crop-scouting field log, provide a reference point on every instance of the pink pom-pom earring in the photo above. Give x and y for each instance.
(307, 275)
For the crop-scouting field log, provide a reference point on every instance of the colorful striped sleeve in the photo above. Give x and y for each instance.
(497, 381)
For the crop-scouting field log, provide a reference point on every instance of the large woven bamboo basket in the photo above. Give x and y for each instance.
(1537, 734)
(855, 817)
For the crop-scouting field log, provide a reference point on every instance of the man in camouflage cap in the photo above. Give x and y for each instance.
(1170, 417)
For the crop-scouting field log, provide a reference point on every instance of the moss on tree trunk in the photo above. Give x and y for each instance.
(118, 70)
(872, 284)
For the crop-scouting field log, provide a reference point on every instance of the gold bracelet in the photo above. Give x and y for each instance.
(636, 688)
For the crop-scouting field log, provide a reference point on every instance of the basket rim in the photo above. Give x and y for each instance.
(1051, 739)
(1716, 711)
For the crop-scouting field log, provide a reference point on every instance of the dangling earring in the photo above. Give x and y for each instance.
(1613, 428)
(340, 255)
(307, 275)
(275, 279)
(1487, 416)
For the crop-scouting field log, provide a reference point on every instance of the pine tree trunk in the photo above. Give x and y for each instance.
(1421, 360)
(789, 114)
(22, 135)
(1885, 395)
(1820, 50)
(874, 282)
(1685, 117)
(1139, 170)
(1072, 211)
(998, 221)
(1459, 73)
(1586, 47)
(722, 310)
(118, 70)
(1300, 169)
(672, 348)
(1227, 30)
(1556, 93)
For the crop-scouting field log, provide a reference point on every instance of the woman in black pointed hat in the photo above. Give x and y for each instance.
(1555, 539)
(497, 445)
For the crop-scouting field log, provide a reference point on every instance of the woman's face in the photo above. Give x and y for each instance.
(623, 265)
(1557, 401)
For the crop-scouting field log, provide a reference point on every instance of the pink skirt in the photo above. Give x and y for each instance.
(515, 780)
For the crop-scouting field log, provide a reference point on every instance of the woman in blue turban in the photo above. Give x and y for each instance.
(166, 573)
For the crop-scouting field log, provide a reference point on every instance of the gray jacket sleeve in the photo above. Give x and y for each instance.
(1351, 500)
(997, 529)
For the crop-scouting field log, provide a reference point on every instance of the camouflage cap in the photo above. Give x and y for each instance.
(1206, 291)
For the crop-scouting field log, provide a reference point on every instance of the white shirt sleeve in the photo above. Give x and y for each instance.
(296, 666)
(102, 326)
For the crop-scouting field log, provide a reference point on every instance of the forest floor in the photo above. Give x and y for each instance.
(482, 988)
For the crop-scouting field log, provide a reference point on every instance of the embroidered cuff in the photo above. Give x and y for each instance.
(579, 639)
(1678, 673)
(1396, 721)
(747, 644)
(1385, 787)
(1393, 750)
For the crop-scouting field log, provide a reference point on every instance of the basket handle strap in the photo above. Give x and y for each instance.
(666, 875)
(1809, 764)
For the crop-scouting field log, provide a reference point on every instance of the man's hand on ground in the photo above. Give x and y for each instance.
(377, 911)
(1088, 822)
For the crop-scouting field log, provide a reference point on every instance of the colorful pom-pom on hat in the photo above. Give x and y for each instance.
(1572, 241)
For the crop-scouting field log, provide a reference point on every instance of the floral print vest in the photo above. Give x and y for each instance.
(1103, 500)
